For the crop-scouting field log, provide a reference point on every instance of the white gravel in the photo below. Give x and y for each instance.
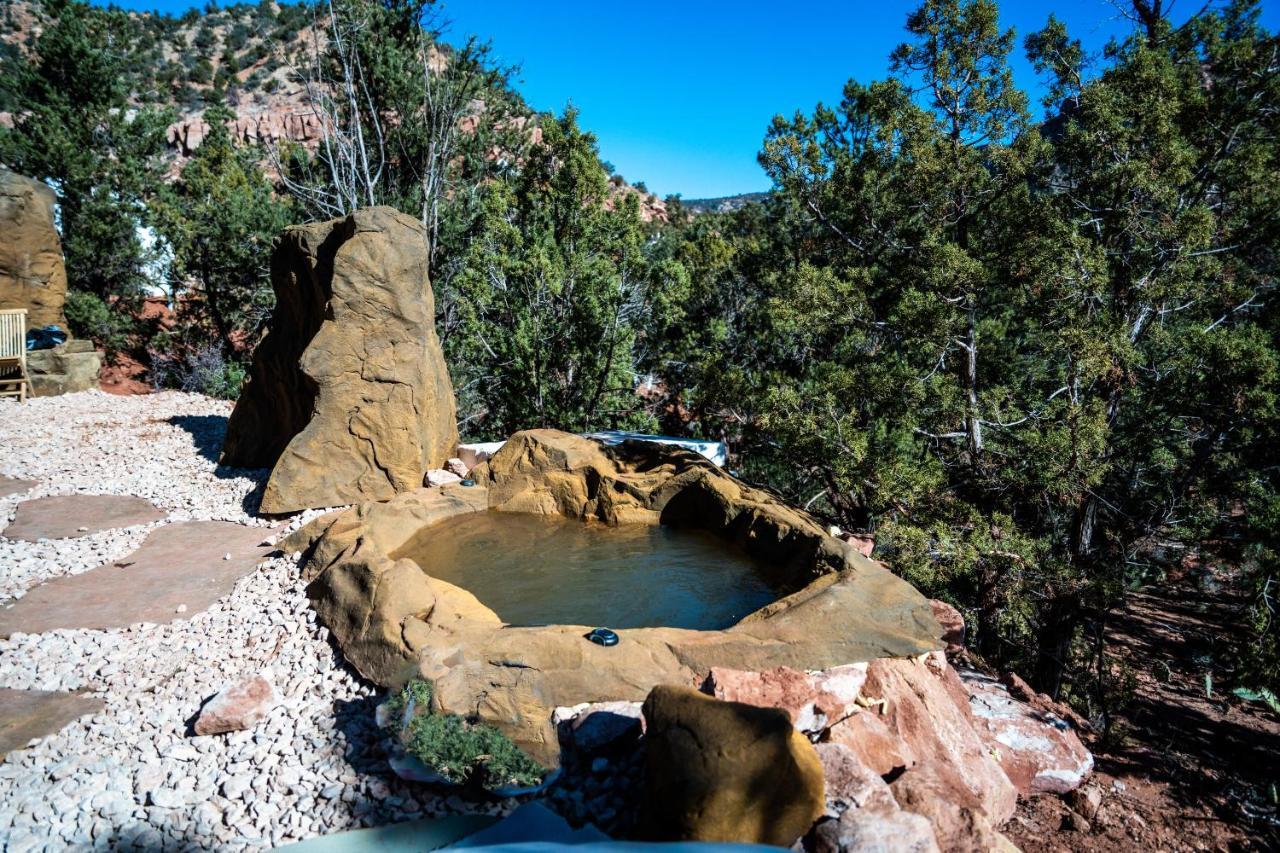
(131, 776)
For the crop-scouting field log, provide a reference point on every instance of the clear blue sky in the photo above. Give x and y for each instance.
(680, 93)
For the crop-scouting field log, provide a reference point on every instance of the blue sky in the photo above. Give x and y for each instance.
(680, 93)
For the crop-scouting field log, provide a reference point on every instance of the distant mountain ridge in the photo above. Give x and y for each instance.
(722, 204)
(248, 52)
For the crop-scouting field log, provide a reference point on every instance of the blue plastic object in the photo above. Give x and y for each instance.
(46, 338)
(603, 637)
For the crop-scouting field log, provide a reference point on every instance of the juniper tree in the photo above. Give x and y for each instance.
(548, 291)
(220, 218)
(1022, 355)
(76, 130)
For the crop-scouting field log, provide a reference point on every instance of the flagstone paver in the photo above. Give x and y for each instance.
(188, 565)
(13, 485)
(71, 516)
(29, 714)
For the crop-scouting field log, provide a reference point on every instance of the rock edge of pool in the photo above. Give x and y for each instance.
(394, 622)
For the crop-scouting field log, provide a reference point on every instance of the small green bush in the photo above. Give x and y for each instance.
(459, 750)
(89, 317)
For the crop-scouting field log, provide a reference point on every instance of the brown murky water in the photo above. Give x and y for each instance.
(544, 570)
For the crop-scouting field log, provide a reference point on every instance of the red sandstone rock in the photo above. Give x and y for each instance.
(814, 702)
(1037, 750)
(936, 791)
(237, 706)
(851, 784)
(871, 741)
(864, 544)
(863, 813)
(1042, 702)
(872, 831)
(457, 467)
(927, 706)
(952, 624)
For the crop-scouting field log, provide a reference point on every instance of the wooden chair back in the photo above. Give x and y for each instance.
(13, 354)
(13, 336)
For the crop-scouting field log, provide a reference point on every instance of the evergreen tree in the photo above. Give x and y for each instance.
(1018, 357)
(77, 132)
(220, 219)
(548, 291)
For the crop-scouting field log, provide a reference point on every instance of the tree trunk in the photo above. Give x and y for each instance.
(1062, 617)
(973, 424)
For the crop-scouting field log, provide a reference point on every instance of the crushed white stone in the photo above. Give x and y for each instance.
(132, 776)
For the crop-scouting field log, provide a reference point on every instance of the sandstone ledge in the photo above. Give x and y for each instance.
(393, 621)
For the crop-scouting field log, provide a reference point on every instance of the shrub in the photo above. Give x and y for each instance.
(459, 750)
(89, 317)
(203, 371)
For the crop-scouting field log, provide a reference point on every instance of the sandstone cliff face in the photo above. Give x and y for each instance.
(32, 274)
(348, 397)
(280, 121)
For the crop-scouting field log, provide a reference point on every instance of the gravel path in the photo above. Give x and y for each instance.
(131, 776)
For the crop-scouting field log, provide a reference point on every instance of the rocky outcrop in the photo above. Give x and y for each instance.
(927, 707)
(924, 758)
(392, 620)
(725, 771)
(1037, 748)
(348, 398)
(65, 369)
(287, 120)
(32, 275)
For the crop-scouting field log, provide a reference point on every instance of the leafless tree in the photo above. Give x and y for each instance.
(352, 140)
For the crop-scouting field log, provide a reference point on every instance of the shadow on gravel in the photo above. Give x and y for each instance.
(207, 433)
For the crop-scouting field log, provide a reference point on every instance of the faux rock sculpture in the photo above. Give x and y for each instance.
(724, 771)
(32, 275)
(348, 398)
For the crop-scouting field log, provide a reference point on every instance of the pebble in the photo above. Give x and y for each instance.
(129, 777)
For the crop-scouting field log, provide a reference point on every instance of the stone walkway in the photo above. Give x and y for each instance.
(14, 486)
(131, 775)
(181, 568)
(29, 714)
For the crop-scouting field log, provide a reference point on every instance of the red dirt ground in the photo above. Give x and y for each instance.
(1192, 771)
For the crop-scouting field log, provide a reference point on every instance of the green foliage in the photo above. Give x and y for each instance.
(547, 293)
(90, 318)
(77, 132)
(459, 750)
(204, 370)
(1017, 354)
(1262, 695)
(220, 219)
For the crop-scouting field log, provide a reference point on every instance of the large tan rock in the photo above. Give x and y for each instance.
(348, 398)
(32, 275)
(725, 771)
(63, 369)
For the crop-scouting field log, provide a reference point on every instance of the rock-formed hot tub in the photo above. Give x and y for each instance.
(394, 620)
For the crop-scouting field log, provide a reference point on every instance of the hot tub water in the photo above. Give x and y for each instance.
(544, 570)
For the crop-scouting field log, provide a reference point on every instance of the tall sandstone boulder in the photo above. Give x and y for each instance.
(348, 398)
(32, 274)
